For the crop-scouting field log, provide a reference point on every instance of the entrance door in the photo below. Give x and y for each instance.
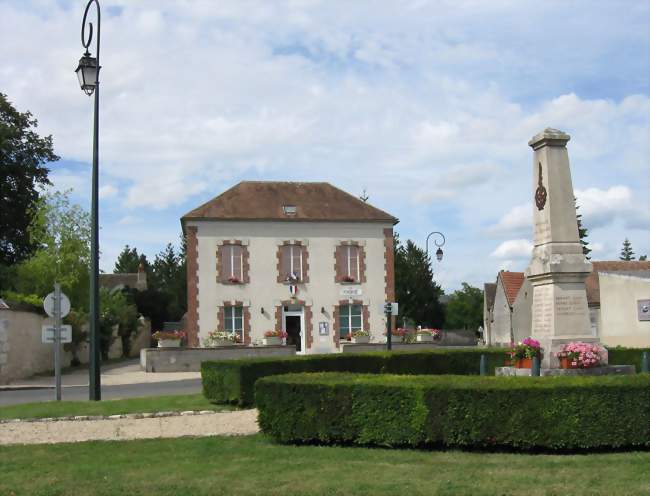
(292, 324)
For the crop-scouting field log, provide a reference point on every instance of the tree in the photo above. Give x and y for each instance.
(465, 309)
(416, 292)
(115, 310)
(61, 232)
(582, 233)
(169, 277)
(128, 261)
(643, 258)
(626, 252)
(23, 154)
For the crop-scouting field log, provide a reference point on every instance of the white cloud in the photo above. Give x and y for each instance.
(107, 191)
(600, 207)
(518, 220)
(513, 248)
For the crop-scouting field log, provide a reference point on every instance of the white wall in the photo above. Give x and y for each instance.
(263, 290)
(619, 323)
(502, 322)
(522, 312)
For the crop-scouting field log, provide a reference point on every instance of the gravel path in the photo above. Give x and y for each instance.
(71, 431)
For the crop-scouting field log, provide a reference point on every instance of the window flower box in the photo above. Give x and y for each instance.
(169, 343)
(359, 336)
(273, 338)
(348, 279)
(221, 338)
(424, 338)
(234, 280)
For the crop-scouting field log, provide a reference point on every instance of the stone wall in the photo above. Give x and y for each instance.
(189, 359)
(22, 354)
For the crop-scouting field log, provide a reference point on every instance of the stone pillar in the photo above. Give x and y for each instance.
(558, 268)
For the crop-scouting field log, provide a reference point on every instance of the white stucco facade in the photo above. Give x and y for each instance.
(321, 294)
(501, 329)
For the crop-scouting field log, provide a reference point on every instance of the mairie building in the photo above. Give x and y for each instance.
(305, 258)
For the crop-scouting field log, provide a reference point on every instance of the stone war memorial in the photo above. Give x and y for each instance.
(558, 267)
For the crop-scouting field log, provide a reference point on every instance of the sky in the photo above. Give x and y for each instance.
(426, 105)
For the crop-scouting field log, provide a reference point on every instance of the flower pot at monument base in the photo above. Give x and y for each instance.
(271, 340)
(169, 343)
(524, 363)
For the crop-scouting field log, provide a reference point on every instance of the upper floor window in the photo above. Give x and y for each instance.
(231, 263)
(349, 263)
(291, 268)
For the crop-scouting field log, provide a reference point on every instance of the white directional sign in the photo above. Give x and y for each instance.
(394, 308)
(47, 334)
(48, 305)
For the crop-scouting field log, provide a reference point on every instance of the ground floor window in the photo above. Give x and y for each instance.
(350, 319)
(234, 321)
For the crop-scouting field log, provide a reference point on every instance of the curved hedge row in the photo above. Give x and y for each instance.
(521, 412)
(233, 381)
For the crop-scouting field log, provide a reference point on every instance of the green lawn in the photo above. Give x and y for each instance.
(109, 407)
(254, 465)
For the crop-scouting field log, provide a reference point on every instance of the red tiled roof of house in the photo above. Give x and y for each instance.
(266, 200)
(592, 283)
(512, 282)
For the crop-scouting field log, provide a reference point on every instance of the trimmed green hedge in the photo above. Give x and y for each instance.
(233, 381)
(626, 356)
(558, 413)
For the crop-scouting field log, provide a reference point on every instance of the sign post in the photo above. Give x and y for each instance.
(388, 309)
(57, 306)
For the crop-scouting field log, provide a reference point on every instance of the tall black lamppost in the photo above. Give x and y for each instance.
(439, 245)
(88, 74)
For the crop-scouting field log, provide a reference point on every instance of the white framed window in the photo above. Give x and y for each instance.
(234, 321)
(351, 262)
(350, 319)
(291, 262)
(232, 262)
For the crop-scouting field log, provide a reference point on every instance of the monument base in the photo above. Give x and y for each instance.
(605, 370)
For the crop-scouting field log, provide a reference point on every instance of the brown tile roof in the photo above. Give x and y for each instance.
(489, 292)
(264, 200)
(512, 282)
(592, 282)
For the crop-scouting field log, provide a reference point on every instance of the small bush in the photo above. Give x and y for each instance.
(626, 356)
(559, 413)
(233, 381)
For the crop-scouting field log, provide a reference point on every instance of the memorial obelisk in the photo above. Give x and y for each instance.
(558, 268)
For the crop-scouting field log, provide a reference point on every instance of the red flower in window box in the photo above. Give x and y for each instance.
(234, 280)
(348, 279)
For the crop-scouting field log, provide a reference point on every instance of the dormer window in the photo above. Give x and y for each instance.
(289, 210)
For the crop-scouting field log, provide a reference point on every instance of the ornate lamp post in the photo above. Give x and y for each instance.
(88, 74)
(439, 252)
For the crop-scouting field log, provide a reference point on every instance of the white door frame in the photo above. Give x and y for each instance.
(294, 313)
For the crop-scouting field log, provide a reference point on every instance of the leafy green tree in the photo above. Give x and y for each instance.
(23, 154)
(465, 308)
(582, 233)
(116, 310)
(418, 295)
(626, 252)
(643, 258)
(169, 277)
(61, 232)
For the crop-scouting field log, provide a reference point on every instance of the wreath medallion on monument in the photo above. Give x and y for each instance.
(540, 192)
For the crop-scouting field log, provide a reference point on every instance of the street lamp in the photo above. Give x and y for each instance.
(88, 74)
(439, 252)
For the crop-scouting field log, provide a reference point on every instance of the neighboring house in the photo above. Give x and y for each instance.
(489, 291)
(616, 291)
(306, 258)
(501, 328)
(137, 280)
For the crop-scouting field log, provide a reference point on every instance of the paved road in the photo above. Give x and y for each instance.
(188, 386)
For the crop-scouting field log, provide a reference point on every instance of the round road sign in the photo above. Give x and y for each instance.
(48, 305)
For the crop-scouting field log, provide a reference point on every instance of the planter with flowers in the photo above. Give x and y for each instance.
(169, 339)
(272, 338)
(399, 335)
(427, 335)
(221, 338)
(234, 280)
(579, 355)
(348, 279)
(359, 336)
(522, 354)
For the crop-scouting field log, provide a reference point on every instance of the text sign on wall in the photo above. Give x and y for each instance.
(349, 292)
(644, 309)
(323, 328)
